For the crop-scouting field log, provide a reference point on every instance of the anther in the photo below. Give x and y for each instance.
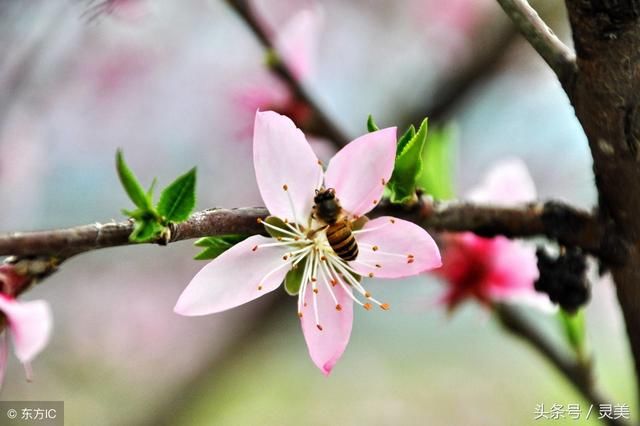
(254, 248)
(338, 307)
(367, 294)
(279, 238)
(323, 258)
(319, 327)
(384, 306)
(370, 274)
(367, 306)
(319, 163)
(259, 220)
(375, 201)
(334, 282)
(285, 257)
(410, 260)
(299, 314)
(378, 265)
(259, 287)
(392, 220)
(314, 279)
(375, 248)
(315, 290)
(383, 182)
(285, 187)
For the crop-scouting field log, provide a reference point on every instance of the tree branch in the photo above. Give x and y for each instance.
(560, 58)
(556, 221)
(320, 123)
(579, 374)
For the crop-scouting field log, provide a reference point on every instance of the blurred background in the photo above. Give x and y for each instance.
(176, 84)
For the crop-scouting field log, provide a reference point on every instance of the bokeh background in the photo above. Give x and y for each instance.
(174, 84)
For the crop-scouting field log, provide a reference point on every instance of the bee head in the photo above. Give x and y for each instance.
(323, 195)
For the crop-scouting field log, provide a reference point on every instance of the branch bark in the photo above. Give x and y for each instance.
(560, 58)
(554, 220)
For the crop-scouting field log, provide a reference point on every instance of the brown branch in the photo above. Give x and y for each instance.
(560, 58)
(579, 374)
(320, 123)
(554, 220)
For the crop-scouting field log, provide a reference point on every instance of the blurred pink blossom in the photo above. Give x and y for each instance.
(28, 323)
(493, 269)
(289, 176)
(296, 44)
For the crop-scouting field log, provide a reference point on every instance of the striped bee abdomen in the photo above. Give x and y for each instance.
(342, 241)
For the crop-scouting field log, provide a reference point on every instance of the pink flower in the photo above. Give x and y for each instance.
(493, 269)
(29, 324)
(288, 174)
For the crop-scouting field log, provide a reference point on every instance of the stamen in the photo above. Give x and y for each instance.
(284, 231)
(303, 286)
(367, 306)
(355, 283)
(254, 248)
(362, 231)
(384, 306)
(336, 277)
(291, 205)
(324, 274)
(273, 271)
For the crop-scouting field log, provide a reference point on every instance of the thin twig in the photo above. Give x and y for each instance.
(579, 374)
(321, 124)
(560, 58)
(553, 220)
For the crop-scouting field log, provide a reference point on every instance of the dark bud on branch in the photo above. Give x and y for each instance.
(564, 278)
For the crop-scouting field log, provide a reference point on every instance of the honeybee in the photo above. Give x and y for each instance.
(341, 239)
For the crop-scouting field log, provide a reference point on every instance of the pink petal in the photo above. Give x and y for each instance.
(233, 278)
(514, 272)
(359, 171)
(283, 159)
(30, 325)
(394, 248)
(297, 43)
(507, 182)
(327, 345)
(4, 355)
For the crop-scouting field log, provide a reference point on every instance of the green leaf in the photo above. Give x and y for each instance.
(215, 246)
(293, 279)
(178, 199)
(371, 125)
(408, 165)
(574, 328)
(438, 163)
(151, 189)
(146, 231)
(131, 184)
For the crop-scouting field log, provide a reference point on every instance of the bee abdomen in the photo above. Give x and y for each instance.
(342, 241)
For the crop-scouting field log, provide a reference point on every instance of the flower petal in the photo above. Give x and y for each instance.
(233, 278)
(327, 345)
(507, 182)
(30, 325)
(359, 171)
(394, 248)
(297, 42)
(284, 160)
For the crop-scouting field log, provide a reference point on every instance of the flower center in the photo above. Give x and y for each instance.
(323, 270)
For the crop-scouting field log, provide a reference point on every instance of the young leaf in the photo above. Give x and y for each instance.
(146, 231)
(574, 328)
(371, 125)
(178, 199)
(215, 246)
(293, 279)
(438, 168)
(131, 184)
(408, 165)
